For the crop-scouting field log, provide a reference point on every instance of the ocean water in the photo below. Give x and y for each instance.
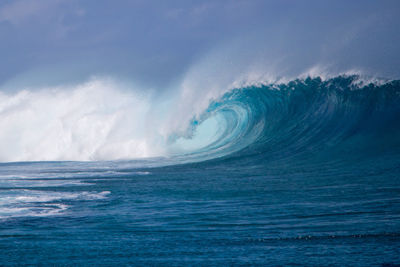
(299, 173)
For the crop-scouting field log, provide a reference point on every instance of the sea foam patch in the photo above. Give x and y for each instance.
(27, 203)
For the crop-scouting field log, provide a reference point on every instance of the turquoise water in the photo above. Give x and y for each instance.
(303, 173)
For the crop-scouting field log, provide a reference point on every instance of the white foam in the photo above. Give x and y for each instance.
(15, 183)
(33, 211)
(93, 121)
(23, 202)
(16, 196)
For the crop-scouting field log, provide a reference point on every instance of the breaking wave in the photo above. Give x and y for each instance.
(100, 121)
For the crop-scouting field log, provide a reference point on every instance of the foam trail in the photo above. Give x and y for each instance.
(28, 203)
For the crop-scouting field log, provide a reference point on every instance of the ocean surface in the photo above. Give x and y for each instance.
(294, 174)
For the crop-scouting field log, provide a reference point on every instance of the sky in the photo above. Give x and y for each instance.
(157, 43)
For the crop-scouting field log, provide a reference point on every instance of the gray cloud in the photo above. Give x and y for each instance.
(157, 42)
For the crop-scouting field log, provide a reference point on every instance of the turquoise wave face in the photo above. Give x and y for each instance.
(341, 115)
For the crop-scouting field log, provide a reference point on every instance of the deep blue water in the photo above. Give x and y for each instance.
(305, 173)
